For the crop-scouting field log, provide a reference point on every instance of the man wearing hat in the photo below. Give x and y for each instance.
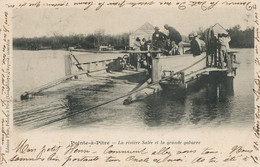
(195, 45)
(174, 35)
(158, 38)
(191, 36)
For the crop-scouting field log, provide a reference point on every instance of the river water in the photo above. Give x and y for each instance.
(197, 110)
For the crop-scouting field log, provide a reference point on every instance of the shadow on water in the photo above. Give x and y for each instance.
(81, 105)
(71, 106)
(206, 100)
(219, 87)
(214, 102)
(136, 78)
(163, 108)
(74, 112)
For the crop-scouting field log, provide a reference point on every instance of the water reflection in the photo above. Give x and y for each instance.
(164, 108)
(79, 108)
(219, 87)
(214, 102)
(211, 101)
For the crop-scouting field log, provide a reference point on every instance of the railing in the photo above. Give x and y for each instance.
(88, 64)
(213, 59)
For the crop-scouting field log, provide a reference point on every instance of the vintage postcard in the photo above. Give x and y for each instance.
(130, 83)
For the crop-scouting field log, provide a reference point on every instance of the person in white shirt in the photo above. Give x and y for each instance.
(137, 44)
(224, 40)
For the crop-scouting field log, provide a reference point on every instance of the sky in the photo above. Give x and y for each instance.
(45, 22)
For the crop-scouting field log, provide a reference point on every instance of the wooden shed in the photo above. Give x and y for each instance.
(145, 31)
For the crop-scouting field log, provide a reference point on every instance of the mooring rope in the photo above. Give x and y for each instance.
(91, 108)
(52, 83)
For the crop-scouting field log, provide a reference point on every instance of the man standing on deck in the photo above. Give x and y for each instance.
(174, 35)
(137, 44)
(224, 40)
(195, 45)
(136, 47)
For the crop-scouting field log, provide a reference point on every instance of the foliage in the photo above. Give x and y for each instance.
(91, 41)
(239, 38)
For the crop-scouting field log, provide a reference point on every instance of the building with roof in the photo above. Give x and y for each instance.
(145, 31)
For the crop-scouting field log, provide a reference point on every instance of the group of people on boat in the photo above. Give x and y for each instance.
(218, 51)
(170, 42)
(216, 46)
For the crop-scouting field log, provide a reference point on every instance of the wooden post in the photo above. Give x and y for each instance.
(230, 85)
(138, 61)
(67, 64)
(183, 78)
(156, 68)
(216, 58)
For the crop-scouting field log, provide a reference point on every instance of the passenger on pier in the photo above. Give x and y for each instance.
(195, 45)
(174, 35)
(137, 44)
(137, 57)
(158, 39)
(180, 49)
(144, 44)
(212, 48)
(145, 58)
(190, 39)
(169, 48)
(224, 40)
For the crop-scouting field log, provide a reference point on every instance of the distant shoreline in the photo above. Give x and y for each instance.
(74, 50)
(97, 51)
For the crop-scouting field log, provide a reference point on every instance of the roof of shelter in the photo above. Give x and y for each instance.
(146, 27)
(218, 29)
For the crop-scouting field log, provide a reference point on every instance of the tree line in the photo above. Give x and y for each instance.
(239, 39)
(91, 41)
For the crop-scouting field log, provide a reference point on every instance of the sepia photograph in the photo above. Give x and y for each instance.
(132, 68)
(122, 83)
